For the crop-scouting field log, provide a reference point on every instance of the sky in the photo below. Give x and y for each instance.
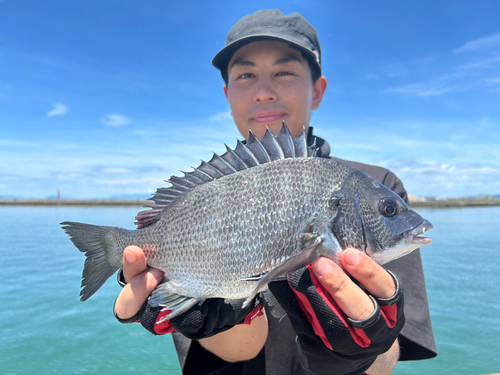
(109, 98)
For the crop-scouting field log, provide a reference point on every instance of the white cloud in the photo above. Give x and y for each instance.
(371, 77)
(422, 89)
(16, 143)
(117, 170)
(65, 147)
(115, 120)
(481, 43)
(222, 116)
(154, 181)
(431, 178)
(481, 64)
(491, 81)
(397, 69)
(59, 109)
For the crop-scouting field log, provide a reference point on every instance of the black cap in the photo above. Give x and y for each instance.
(271, 24)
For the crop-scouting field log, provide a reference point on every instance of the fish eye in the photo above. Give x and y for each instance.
(388, 208)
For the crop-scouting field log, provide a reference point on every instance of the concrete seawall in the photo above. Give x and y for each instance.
(414, 202)
(453, 202)
(74, 202)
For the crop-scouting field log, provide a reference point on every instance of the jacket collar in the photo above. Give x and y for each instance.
(322, 145)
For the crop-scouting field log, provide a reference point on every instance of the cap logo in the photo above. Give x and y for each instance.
(317, 56)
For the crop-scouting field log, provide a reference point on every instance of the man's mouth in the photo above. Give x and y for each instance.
(265, 118)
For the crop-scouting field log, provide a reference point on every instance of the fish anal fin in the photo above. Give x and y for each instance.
(178, 304)
(302, 259)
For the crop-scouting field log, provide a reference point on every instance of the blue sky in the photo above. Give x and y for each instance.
(105, 98)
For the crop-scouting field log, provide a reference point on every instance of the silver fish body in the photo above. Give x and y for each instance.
(232, 235)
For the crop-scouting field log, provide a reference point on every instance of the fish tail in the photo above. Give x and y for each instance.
(103, 256)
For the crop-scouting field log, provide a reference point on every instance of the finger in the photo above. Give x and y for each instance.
(373, 277)
(136, 292)
(349, 297)
(134, 262)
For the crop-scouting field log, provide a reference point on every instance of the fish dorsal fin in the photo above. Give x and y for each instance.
(312, 150)
(243, 156)
(300, 145)
(285, 141)
(271, 145)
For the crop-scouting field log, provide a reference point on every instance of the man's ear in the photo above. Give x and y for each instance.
(225, 90)
(318, 92)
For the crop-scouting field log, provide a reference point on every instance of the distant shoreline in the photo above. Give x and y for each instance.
(74, 202)
(414, 202)
(452, 202)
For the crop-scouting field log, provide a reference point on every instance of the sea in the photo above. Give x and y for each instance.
(45, 329)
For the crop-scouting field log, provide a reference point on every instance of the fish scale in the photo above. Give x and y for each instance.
(247, 218)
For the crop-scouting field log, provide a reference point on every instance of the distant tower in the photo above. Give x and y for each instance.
(58, 194)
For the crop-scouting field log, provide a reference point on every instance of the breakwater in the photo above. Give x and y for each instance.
(452, 202)
(414, 202)
(74, 202)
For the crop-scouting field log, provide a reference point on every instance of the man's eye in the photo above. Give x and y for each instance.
(284, 74)
(246, 75)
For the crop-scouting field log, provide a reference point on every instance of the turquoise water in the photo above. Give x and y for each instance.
(45, 329)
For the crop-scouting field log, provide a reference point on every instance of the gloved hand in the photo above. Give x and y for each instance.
(213, 316)
(326, 338)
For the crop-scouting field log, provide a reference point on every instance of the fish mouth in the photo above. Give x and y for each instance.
(414, 236)
(408, 241)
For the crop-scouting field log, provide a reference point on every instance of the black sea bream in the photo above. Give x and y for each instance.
(249, 216)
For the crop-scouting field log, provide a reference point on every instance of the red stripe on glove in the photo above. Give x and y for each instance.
(253, 314)
(163, 328)
(358, 335)
(390, 314)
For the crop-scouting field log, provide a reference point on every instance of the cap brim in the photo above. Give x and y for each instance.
(221, 59)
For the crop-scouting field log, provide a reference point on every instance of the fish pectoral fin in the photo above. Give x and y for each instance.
(252, 278)
(258, 277)
(178, 304)
(302, 259)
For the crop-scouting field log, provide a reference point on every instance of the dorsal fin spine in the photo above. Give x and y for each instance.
(234, 159)
(222, 165)
(245, 155)
(285, 141)
(210, 170)
(255, 152)
(271, 146)
(300, 144)
(256, 147)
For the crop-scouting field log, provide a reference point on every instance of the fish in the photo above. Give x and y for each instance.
(247, 218)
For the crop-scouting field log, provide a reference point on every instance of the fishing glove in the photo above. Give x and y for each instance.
(213, 316)
(326, 338)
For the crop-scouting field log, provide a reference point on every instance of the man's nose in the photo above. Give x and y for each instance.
(265, 93)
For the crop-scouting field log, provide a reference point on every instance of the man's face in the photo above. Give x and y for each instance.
(268, 82)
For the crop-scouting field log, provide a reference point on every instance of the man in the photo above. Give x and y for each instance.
(271, 66)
